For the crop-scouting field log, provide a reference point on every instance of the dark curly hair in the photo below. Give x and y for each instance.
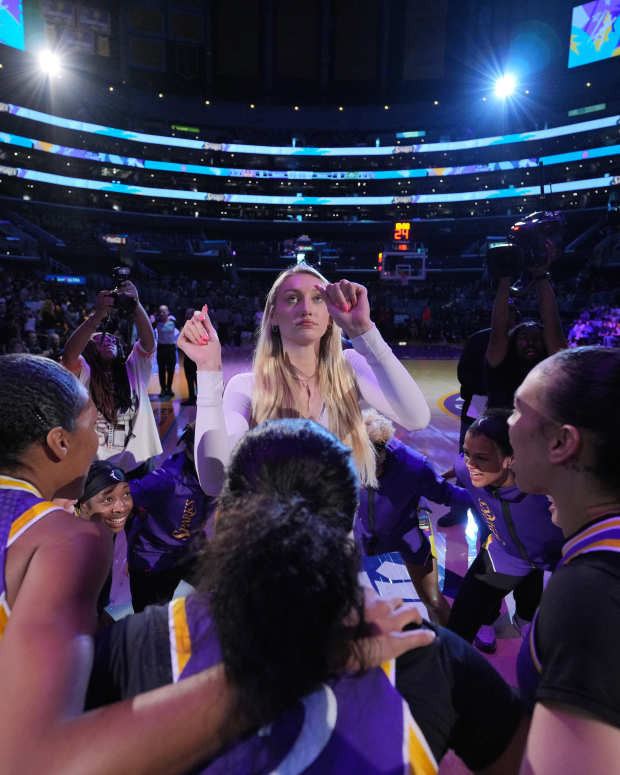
(284, 595)
(295, 457)
(109, 383)
(36, 395)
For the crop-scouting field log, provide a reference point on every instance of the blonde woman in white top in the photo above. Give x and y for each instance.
(301, 370)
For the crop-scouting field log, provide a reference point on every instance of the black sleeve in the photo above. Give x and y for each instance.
(459, 700)
(470, 370)
(131, 656)
(577, 635)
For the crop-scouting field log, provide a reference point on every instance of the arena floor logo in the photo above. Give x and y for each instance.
(389, 577)
(451, 404)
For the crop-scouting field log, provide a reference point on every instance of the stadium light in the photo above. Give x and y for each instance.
(49, 63)
(505, 86)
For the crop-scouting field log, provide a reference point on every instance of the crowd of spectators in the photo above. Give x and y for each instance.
(599, 324)
(36, 316)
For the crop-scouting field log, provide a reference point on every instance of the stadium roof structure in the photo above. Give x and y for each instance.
(403, 60)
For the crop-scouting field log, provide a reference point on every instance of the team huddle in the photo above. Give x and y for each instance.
(279, 660)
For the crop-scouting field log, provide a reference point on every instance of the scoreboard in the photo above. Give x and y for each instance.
(400, 236)
(402, 259)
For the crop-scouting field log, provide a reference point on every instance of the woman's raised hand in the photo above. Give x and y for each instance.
(199, 341)
(104, 305)
(348, 306)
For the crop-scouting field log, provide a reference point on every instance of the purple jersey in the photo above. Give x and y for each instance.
(387, 520)
(523, 537)
(21, 505)
(354, 724)
(171, 511)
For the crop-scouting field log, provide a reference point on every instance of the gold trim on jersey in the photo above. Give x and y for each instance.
(417, 754)
(592, 530)
(4, 612)
(417, 751)
(180, 640)
(10, 483)
(28, 518)
(389, 668)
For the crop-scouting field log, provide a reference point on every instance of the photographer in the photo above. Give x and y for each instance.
(535, 242)
(513, 353)
(118, 385)
(499, 367)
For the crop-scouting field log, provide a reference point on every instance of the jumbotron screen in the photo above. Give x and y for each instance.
(12, 23)
(595, 32)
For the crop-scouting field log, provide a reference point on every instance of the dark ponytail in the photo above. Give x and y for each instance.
(583, 389)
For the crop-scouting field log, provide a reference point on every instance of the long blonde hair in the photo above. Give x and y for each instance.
(274, 383)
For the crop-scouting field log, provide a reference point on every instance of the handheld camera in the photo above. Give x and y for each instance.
(123, 303)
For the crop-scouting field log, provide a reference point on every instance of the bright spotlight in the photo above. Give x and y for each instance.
(49, 63)
(505, 85)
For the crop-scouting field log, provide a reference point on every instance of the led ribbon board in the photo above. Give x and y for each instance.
(182, 142)
(236, 172)
(203, 196)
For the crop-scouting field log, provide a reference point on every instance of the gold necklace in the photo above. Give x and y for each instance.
(304, 381)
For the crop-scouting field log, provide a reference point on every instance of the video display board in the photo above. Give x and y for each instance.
(384, 150)
(594, 32)
(12, 23)
(238, 172)
(356, 201)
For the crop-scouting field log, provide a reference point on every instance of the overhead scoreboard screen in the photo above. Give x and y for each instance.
(595, 32)
(12, 23)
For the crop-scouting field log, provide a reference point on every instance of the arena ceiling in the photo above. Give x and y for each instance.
(321, 52)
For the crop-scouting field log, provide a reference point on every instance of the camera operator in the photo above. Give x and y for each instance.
(118, 385)
(535, 242)
(513, 352)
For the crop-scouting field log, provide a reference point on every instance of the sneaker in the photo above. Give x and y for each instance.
(452, 518)
(521, 625)
(485, 640)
